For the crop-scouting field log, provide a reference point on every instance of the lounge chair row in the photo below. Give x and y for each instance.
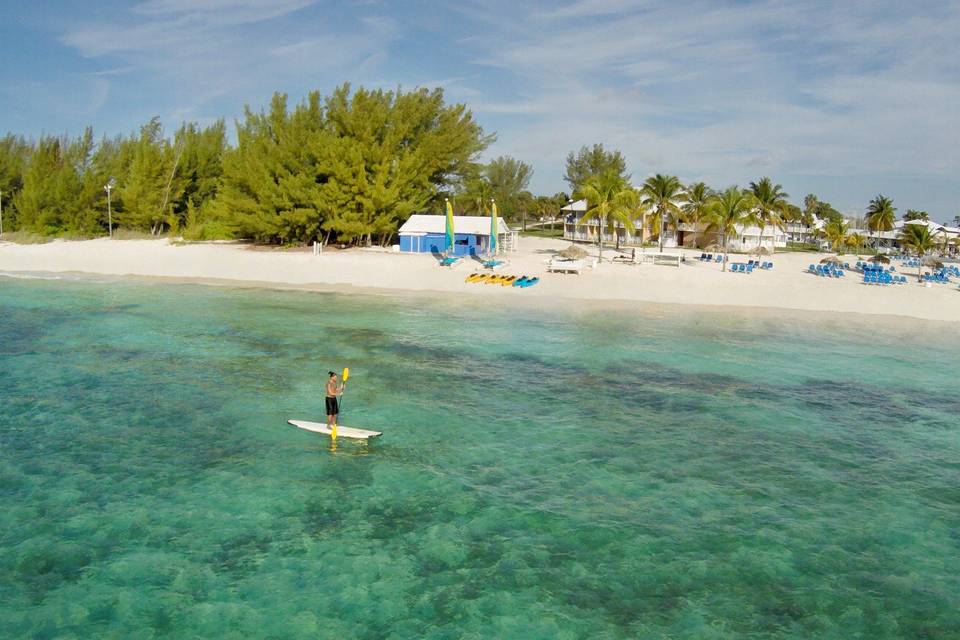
(940, 277)
(708, 257)
(739, 267)
(872, 268)
(826, 270)
(883, 278)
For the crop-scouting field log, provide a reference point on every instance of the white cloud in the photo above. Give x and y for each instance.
(733, 91)
(801, 89)
(203, 51)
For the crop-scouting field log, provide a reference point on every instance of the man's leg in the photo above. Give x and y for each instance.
(330, 420)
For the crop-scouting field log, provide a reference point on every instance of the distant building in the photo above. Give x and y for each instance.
(801, 233)
(746, 238)
(424, 233)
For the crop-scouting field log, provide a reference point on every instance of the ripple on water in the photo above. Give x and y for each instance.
(543, 475)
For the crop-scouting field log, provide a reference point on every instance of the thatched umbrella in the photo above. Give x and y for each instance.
(573, 252)
(760, 251)
(880, 259)
(932, 262)
(831, 260)
(713, 247)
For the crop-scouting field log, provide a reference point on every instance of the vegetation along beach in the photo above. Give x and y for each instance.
(632, 331)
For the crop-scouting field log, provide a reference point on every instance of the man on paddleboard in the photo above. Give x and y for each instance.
(333, 405)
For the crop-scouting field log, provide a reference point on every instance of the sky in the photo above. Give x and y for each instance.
(842, 99)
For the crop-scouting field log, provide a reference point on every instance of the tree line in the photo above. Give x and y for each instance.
(663, 202)
(347, 167)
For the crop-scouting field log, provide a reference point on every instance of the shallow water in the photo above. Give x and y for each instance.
(591, 474)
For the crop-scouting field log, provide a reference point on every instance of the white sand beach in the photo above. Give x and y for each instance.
(786, 286)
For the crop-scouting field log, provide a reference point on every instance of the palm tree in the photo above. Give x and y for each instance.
(836, 232)
(727, 210)
(855, 241)
(770, 202)
(917, 237)
(881, 214)
(609, 199)
(697, 207)
(663, 194)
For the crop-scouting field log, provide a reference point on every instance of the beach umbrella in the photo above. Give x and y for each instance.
(932, 262)
(493, 227)
(880, 259)
(713, 246)
(449, 238)
(831, 260)
(573, 252)
(760, 251)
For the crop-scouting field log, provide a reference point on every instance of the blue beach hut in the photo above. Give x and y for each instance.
(423, 233)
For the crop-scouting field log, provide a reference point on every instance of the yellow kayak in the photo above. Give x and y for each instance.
(473, 277)
(508, 281)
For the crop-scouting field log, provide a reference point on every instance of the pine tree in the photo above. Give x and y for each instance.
(142, 190)
(14, 155)
(51, 199)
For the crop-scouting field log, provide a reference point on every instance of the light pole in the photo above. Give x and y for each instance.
(108, 188)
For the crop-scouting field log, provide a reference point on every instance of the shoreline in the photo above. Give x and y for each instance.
(569, 305)
(784, 290)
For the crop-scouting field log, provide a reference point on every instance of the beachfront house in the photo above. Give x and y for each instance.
(588, 230)
(747, 237)
(424, 233)
(889, 241)
(800, 233)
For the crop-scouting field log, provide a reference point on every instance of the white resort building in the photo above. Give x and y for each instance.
(685, 235)
(746, 238)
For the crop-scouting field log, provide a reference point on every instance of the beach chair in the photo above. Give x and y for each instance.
(449, 261)
(749, 268)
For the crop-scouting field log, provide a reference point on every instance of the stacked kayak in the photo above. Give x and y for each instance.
(525, 282)
(502, 279)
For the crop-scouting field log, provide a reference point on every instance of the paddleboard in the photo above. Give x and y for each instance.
(342, 432)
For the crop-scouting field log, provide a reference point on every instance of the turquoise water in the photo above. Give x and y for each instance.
(586, 474)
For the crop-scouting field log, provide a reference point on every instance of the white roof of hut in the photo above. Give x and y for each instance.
(579, 205)
(422, 224)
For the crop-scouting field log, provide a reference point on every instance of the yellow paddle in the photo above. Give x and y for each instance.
(346, 374)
